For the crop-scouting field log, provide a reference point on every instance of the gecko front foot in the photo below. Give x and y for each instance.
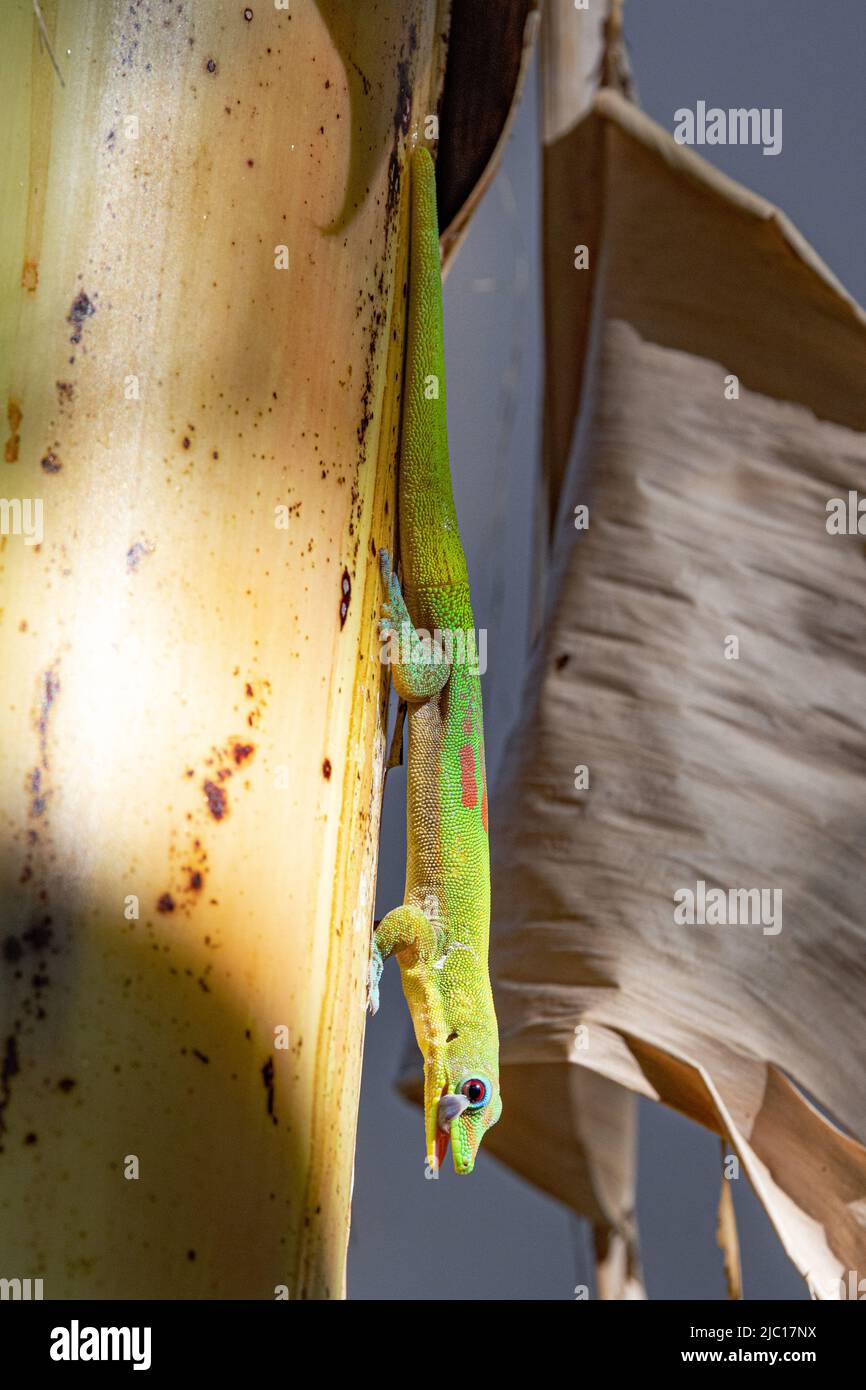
(377, 965)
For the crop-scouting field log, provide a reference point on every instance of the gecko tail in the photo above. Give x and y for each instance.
(431, 548)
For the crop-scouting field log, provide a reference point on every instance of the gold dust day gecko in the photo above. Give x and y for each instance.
(440, 934)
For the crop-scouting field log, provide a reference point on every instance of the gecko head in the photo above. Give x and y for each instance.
(461, 1111)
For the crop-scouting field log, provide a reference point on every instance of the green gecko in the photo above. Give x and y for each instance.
(440, 935)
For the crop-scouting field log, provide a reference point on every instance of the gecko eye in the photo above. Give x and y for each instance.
(476, 1090)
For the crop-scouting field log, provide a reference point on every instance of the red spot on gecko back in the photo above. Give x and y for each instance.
(483, 790)
(468, 784)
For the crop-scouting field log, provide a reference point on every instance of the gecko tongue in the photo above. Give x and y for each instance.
(442, 1138)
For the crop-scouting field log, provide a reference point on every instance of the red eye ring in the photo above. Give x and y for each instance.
(476, 1090)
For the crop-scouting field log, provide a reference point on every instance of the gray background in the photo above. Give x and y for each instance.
(491, 1235)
